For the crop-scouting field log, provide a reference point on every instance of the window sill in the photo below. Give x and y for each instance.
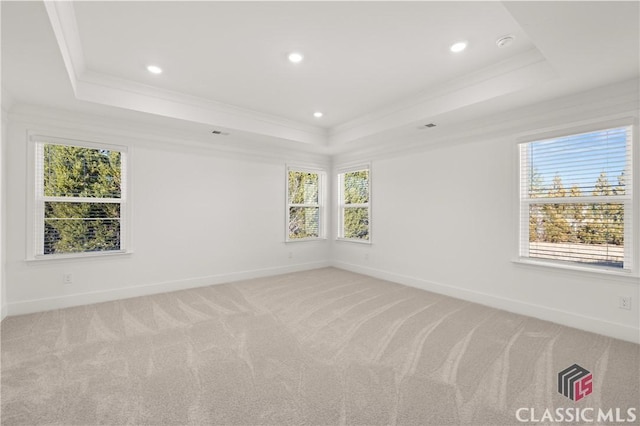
(305, 240)
(353, 240)
(77, 256)
(550, 265)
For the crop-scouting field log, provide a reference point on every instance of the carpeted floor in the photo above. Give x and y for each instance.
(322, 347)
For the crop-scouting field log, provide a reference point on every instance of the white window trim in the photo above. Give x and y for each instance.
(35, 200)
(632, 233)
(339, 172)
(322, 195)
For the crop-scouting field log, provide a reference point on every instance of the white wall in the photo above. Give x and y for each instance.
(4, 105)
(444, 219)
(199, 216)
(3, 287)
(444, 215)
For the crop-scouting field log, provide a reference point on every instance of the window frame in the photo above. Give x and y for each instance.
(37, 199)
(630, 200)
(341, 206)
(322, 178)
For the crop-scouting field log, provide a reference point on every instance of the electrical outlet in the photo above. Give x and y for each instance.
(625, 302)
(67, 278)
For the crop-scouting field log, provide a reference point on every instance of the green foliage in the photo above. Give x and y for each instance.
(356, 218)
(303, 190)
(607, 220)
(593, 223)
(575, 215)
(536, 184)
(303, 222)
(303, 187)
(356, 187)
(555, 225)
(536, 189)
(356, 223)
(606, 225)
(72, 172)
(620, 189)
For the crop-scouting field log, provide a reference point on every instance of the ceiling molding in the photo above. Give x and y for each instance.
(508, 76)
(601, 104)
(94, 87)
(108, 90)
(63, 21)
(89, 127)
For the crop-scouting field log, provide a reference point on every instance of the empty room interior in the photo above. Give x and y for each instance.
(320, 213)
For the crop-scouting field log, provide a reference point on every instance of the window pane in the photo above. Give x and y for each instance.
(588, 233)
(303, 188)
(356, 188)
(303, 222)
(71, 171)
(81, 227)
(356, 222)
(590, 164)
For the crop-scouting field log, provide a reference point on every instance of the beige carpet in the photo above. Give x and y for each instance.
(321, 347)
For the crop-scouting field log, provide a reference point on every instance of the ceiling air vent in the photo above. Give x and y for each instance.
(505, 41)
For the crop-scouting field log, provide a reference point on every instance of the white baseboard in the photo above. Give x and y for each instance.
(50, 303)
(570, 319)
(3, 311)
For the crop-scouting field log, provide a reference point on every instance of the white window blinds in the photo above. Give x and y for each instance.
(576, 199)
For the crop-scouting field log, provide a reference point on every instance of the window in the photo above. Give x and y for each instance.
(576, 199)
(354, 208)
(80, 199)
(304, 204)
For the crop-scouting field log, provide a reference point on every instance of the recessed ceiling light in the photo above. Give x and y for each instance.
(154, 69)
(295, 57)
(505, 41)
(458, 47)
(317, 114)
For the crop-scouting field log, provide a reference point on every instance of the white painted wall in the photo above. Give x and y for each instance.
(218, 216)
(3, 287)
(444, 219)
(199, 216)
(4, 101)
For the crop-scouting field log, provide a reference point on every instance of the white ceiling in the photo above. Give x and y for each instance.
(373, 68)
(359, 57)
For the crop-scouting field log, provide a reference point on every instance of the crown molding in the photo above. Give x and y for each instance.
(103, 89)
(615, 101)
(608, 102)
(508, 76)
(63, 21)
(511, 75)
(108, 90)
(83, 126)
